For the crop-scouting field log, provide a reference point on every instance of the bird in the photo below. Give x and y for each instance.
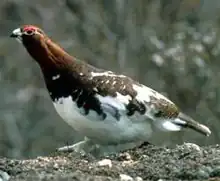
(106, 107)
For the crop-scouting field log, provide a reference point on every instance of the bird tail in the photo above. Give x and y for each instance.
(185, 121)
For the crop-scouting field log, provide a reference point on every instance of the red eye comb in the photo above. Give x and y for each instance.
(29, 28)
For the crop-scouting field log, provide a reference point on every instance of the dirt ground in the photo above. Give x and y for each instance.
(184, 162)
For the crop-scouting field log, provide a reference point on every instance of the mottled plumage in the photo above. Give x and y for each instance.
(106, 107)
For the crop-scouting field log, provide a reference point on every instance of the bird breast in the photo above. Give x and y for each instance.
(101, 131)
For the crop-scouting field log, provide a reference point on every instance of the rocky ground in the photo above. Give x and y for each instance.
(184, 162)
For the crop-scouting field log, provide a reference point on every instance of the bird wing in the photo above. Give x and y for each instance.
(120, 95)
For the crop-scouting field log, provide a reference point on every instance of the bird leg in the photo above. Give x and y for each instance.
(80, 147)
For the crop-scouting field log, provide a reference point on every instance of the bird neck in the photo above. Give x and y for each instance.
(49, 55)
(54, 61)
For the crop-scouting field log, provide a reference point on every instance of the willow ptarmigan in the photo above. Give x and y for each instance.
(105, 107)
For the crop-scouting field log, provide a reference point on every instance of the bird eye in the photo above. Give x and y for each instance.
(29, 32)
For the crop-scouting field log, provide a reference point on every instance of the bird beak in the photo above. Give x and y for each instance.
(16, 33)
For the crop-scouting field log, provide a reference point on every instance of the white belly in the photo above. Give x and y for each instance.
(102, 131)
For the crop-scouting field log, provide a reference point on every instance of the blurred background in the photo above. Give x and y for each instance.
(172, 46)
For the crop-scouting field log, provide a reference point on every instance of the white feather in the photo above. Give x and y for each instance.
(144, 93)
(104, 131)
(119, 102)
(169, 126)
(56, 77)
(179, 121)
(106, 73)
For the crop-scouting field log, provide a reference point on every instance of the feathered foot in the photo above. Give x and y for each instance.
(104, 150)
(80, 147)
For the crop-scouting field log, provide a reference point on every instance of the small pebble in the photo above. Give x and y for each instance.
(124, 177)
(138, 179)
(4, 176)
(192, 146)
(105, 162)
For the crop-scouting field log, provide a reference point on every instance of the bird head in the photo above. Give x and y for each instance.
(40, 46)
(27, 33)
